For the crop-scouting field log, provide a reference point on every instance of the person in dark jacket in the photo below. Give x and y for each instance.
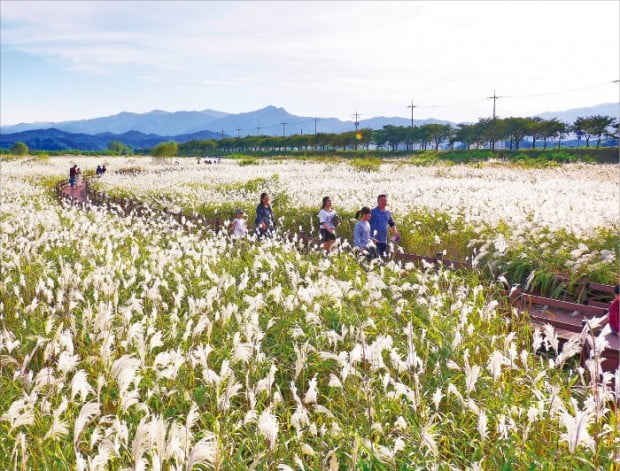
(73, 175)
(381, 223)
(264, 222)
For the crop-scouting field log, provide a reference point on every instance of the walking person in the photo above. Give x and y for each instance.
(327, 227)
(78, 176)
(361, 235)
(72, 176)
(381, 223)
(264, 222)
(239, 226)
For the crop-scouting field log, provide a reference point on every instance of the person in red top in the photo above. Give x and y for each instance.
(614, 312)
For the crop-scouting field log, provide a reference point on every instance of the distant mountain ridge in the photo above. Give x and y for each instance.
(265, 121)
(154, 122)
(569, 116)
(55, 139)
(271, 120)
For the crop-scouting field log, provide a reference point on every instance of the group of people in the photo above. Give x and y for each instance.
(100, 170)
(264, 223)
(370, 235)
(371, 231)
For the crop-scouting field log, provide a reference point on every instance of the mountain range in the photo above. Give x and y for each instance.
(144, 130)
(55, 139)
(266, 121)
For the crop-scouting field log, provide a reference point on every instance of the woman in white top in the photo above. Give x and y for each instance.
(326, 221)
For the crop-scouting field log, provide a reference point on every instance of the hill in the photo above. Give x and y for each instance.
(55, 139)
(154, 122)
(569, 116)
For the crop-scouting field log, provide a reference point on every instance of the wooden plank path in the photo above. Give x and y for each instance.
(568, 318)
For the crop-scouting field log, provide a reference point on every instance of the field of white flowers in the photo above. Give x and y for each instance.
(132, 343)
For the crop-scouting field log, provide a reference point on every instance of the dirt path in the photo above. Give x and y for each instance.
(77, 193)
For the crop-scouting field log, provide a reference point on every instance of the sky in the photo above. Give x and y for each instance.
(78, 60)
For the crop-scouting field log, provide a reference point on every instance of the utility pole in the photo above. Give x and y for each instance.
(494, 98)
(315, 120)
(283, 129)
(357, 122)
(258, 128)
(238, 133)
(222, 134)
(412, 106)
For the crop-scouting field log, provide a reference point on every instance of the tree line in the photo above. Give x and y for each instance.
(486, 133)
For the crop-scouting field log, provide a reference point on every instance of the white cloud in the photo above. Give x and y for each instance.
(375, 54)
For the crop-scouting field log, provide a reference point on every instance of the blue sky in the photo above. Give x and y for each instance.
(78, 60)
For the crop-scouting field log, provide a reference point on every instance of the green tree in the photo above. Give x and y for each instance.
(516, 129)
(466, 134)
(165, 149)
(394, 135)
(116, 147)
(579, 128)
(19, 148)
(550, 129)
(438, 133)
(534, 128)
(597, 126)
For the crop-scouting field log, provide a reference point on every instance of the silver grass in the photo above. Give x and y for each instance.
(205, 452)
(87, 413)
(268, 427)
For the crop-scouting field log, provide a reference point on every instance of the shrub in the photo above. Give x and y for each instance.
(165, 149)
(248, 161)
(367, 164)
(19, 148)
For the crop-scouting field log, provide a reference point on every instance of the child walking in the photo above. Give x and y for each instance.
(361, 235)
(239, 225)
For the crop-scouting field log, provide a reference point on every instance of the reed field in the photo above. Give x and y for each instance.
(140, 343)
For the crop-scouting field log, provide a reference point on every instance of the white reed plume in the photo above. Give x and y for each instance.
(571, 347)
(20, 412)
(437, 396)
(87, 413)
(472, 373)
(482, 425)
(268, 427)
(301, 353)
(495, 363)
(311, 394)
(577, 429)
(334, 382)
(551, 337)
(59, 427)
